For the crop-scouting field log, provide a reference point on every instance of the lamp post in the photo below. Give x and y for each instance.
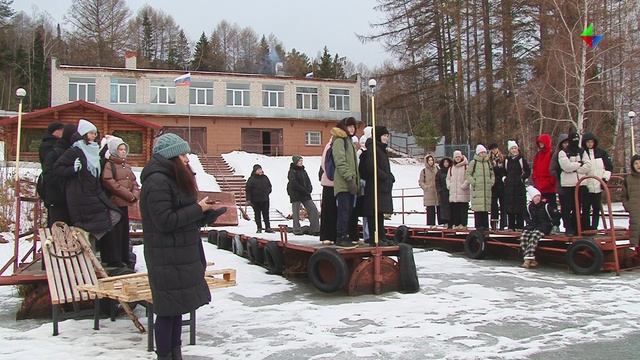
(20, 93)
(372, 86)
(632, 115)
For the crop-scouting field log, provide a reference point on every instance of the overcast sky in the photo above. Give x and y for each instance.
(306, 25)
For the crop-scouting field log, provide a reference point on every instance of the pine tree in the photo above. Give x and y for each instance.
(325, 66)
(296, 64)
(179, 53)
(338, 68)
(265, 66)
(202, 55)
(147, 37)
(6, 12)
(39, 74)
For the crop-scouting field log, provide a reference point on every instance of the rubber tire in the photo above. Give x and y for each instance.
(236, 246)
(253, 252)
(224, 241)
(408, 274)
(401, 234)
(212, 237)
(273, 259)
(585, 245)
(341, 270)
(475, 245)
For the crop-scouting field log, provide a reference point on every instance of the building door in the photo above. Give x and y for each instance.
(262, 141)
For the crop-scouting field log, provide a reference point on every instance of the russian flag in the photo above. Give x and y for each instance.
(183, 80)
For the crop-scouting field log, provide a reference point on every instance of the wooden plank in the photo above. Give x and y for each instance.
(53, 286)
(68, 276)
(87, 272)
(59, 272)
(76, 276)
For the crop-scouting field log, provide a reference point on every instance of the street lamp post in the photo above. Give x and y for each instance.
(20, 93)
(632, 115)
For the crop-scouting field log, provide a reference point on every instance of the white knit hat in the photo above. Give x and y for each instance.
(532, 192)
(480, 148)
(84, 126)
(511, 144)
(457, 153)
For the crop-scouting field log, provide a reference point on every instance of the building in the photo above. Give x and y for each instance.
(219, 112)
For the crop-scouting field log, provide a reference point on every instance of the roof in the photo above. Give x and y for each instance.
(80, 104)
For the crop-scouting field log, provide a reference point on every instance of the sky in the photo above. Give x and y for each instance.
(304, 25)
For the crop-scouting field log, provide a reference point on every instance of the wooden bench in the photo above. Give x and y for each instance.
(74, 275)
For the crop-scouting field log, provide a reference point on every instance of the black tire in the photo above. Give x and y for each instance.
(584, 257)
(236, 246)
(408, 274)
(273, 259)
(475, 245)
(224, 241)
(212, 237)
(253, 252)
(401, 235)
(327, 270)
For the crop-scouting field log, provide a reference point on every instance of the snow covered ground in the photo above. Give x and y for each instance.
(465, 309)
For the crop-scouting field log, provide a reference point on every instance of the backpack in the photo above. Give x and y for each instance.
(329, 162)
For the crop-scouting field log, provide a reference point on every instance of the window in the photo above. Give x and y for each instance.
(132, 138)
(163, 95)
(201, 93)
(313, 138)
(339, 100)
(123, 91)
(82, 89)
(272, 95)
(238, 95)
(307, 98)
(31, 139)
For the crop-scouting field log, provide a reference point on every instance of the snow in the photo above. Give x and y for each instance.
(465, 309)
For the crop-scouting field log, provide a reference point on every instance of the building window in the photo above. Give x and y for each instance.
(201, 93)
(131, 138)
(238, 95)
(123, 91)
(307, 98)
(31, 139)
(339, 100)
(273, 96)
(163, 95)
(82, 89)
(313, 138)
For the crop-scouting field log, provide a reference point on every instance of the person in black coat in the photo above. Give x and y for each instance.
(385, 183)
(79, 166)
(541, 218)
(173, 251)
(54, 190)
(257, 191)
(444, 215)
(299, 189)
(498, 208)
(49, 140)
(515, 194)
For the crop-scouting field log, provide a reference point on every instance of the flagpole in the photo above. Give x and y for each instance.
(372, 85)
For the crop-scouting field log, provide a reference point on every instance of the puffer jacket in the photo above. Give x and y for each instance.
(121, 185)
(457, 182)
(427, 182)
(542, 217)
(515, 193)
(573, 163)
(346, 160)
(601, 165)
(554, 166)
(542, 178)
(299, 186)
(481, 178)
(631, 200)
(324, 179)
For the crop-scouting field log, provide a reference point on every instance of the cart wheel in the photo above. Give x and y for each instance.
(236, 246)
(327, 270)
(584, 257)
(401, 235)
(475, 245)
(408, 273)
(224, 242)
(273, 260)
(212, 237)
(253, 252)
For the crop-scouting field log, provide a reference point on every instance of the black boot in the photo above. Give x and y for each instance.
(176, 353)
(164, 357)
(343, 241)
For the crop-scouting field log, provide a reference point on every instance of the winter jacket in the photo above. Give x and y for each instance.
(121, 185)
(324, 180)
(54, 193)
(497, 164)
(542, 217)
(385, 179)
(457, 182)
(601, 165)
(554, 166)
(46, 146)
(345, 158)
(299, 187)
(171, 221)
(515, 193)
(443, 191)
(481, 178)
(89, 207)
(427, 182)
(543, 180)
(573, 163)
(258, 188)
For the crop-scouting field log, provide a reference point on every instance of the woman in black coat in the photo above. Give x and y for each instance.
(515, 193)
(79, 166)
(444, 215)
(385, 183)
(257, 190)
(299, 189)
(54, 192)
(171, 221)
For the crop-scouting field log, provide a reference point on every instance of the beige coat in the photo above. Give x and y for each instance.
(457, 182)
(427, 182)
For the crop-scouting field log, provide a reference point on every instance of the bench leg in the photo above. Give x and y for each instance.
(192, 328)
(113, 309)
(96, 314)
(54, 316)
(150, 327)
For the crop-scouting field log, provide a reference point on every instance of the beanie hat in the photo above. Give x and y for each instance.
(511, 144)
(381, 130)
(480, 148)
(68, 131)
(532, 192)
(296, 158)
(54, 126)
(170, 145)
(113, 143)
(84, 127)
(457, 153)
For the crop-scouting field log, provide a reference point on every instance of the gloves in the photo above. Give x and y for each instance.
(352, 186)
(77, 165)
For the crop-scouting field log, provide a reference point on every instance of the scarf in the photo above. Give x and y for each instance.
(92, 153)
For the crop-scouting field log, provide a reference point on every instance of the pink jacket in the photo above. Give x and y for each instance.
(457, 182)
(324, 181)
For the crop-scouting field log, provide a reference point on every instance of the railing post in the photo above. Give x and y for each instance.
(403, 206)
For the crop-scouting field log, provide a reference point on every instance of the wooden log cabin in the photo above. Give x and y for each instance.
(136, 132)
